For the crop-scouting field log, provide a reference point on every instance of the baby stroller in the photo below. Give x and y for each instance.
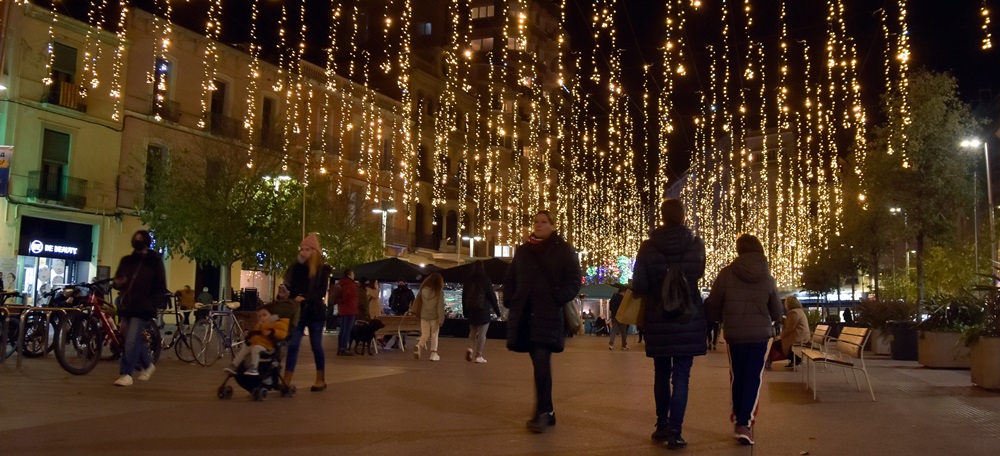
(269, 369)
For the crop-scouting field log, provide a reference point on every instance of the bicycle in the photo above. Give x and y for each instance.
(83, 334)
(210, 340)
(182, 337)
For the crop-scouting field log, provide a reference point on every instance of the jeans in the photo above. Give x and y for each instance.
(315, 341)
(136, 356)
(671, 405)
(477, 339)
(346, 323)
(541, 360)
(746, 364)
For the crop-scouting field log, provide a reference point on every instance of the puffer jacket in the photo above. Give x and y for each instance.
(669, 247)
(744, 297)
(142, 284)
(432, 305)
(540, 280)
(478, 298)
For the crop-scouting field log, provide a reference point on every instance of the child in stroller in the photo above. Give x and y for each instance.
(266, 348)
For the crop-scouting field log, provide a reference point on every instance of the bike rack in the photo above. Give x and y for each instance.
(25, 310)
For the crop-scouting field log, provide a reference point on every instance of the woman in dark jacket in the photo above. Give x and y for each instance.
(307, 281)
(478, 298)
(543, 277)
(141, 281)
(744, 297)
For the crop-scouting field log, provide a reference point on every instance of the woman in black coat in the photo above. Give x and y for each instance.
(307, 281)
(543, 277)
(141, 281)
(478, 298)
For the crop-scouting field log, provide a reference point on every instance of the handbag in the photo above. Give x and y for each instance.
(573, 320)
(776, 353)
(632, 310)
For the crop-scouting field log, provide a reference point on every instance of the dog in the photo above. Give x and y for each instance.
(363, 335)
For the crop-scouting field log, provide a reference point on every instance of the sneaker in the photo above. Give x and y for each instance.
(626, 348)
(146, 374)
(124, 380)
(435, 357)
(416, 352)
(541, 422)
(252, 372)
(744, 435)
(231, 370)
(481, 360)
(468, 355)
(611, 347)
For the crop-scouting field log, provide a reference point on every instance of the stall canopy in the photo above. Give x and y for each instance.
(495, 270)
(599, 291)
(388, 270)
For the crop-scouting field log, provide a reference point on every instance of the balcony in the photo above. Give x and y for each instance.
(61, 190)
(167, 110)
(227, 127)
(67, 95)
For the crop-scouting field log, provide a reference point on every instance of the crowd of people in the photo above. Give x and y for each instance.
(544, 275)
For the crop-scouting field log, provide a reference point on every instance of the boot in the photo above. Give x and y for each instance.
(320, 384)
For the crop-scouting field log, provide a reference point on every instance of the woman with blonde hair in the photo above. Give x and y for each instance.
(307, 280)
(795, 330)
(429, 306)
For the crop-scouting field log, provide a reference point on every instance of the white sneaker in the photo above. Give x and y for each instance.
(124, 380)
(481, 360)
(145, 374)
(435, 357)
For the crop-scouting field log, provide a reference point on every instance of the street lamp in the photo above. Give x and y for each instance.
(971, 144)
(472, 244)
(385, 210)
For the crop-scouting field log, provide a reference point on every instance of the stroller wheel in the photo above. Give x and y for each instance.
(225, 392)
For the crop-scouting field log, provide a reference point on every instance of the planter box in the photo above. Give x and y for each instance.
(881, 344)
(986, 363)
(942, 350)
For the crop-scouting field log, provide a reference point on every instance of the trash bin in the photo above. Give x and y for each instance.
(904, 340)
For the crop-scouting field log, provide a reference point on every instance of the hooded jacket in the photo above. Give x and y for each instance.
(744, 297)
(670, 247)
(348, 304)
(432, 305)
(540, 280)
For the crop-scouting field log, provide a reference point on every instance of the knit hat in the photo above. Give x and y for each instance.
(310, 241)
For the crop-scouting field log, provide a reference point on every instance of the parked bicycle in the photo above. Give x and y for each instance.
(87, 335)
(182, 337)
(212, 337)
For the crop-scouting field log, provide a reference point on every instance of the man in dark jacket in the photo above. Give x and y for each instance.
(401, 298)
(141, 281)
(478, 298)
(672, 343)
(617, 328)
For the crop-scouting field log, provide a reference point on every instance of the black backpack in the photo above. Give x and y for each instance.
(473, 297)
(675, 300)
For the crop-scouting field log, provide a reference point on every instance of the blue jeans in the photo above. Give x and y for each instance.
(315, 341)
(346, 323)
(136, 356)
(671, 405)
(746, 362)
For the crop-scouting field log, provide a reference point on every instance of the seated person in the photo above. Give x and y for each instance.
(269, 329)
(795, 330)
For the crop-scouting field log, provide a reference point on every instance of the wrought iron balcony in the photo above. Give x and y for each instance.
(166, 109)
(62, 190)
(67, 95)
(226, 127)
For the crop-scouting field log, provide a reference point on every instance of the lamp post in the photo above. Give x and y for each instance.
(974, 143)
(385, 210)
(472, 244)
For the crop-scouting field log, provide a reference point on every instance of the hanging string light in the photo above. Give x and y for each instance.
(984, 12)
(50, 48)
(116, 68)
(158, 76)
(249, 118)
(92, 48)
(213, 29)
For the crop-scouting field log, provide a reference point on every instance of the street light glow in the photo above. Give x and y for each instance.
(970, 143)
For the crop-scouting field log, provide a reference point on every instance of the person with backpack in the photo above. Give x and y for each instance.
(477, 292)
(745, 298)
(667, 269)
(542, 278)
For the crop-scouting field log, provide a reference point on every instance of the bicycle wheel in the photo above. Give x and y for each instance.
(182, 347)
(206, 345)
(79, 342)
(36, 341)
(152, 340)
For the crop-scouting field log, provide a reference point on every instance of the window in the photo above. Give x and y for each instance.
(156, 163)
(161, 79)
(482, 44)
(63, 64)
(424, 29)
(55, 164)
(515, 44)
(269, 132)
(386, 163)
(218, 106)
(480, 12)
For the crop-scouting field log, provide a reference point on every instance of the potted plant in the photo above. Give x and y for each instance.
(983, 340)
(940, 343)
(877, 315)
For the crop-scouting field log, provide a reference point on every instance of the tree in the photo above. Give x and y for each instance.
(932, 184)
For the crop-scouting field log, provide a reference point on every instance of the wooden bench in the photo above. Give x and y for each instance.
(817, 341)
(848, 353)
(398, 326)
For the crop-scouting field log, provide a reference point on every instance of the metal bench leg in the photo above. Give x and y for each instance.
(402, 342)
(869, 381)
(856, 381)
(814, 380)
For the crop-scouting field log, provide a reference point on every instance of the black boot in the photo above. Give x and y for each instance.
(675, 441)
(661, 433)
(542, 422)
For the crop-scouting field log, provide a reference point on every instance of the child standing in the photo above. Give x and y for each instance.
(269, 329)
(429, 306)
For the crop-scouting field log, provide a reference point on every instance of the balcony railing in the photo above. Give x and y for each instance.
(66, 95)
(166, 109)
(62, 190)
(226, 127)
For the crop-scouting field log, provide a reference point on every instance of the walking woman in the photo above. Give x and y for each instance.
(141, 281)
(478, 298)
(744, 297)
(430, 302)
(542, 278)
(307, 280)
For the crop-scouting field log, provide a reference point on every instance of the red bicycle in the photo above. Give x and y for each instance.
(83, 336)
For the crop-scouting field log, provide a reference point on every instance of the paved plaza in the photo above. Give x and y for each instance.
(393, 404)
